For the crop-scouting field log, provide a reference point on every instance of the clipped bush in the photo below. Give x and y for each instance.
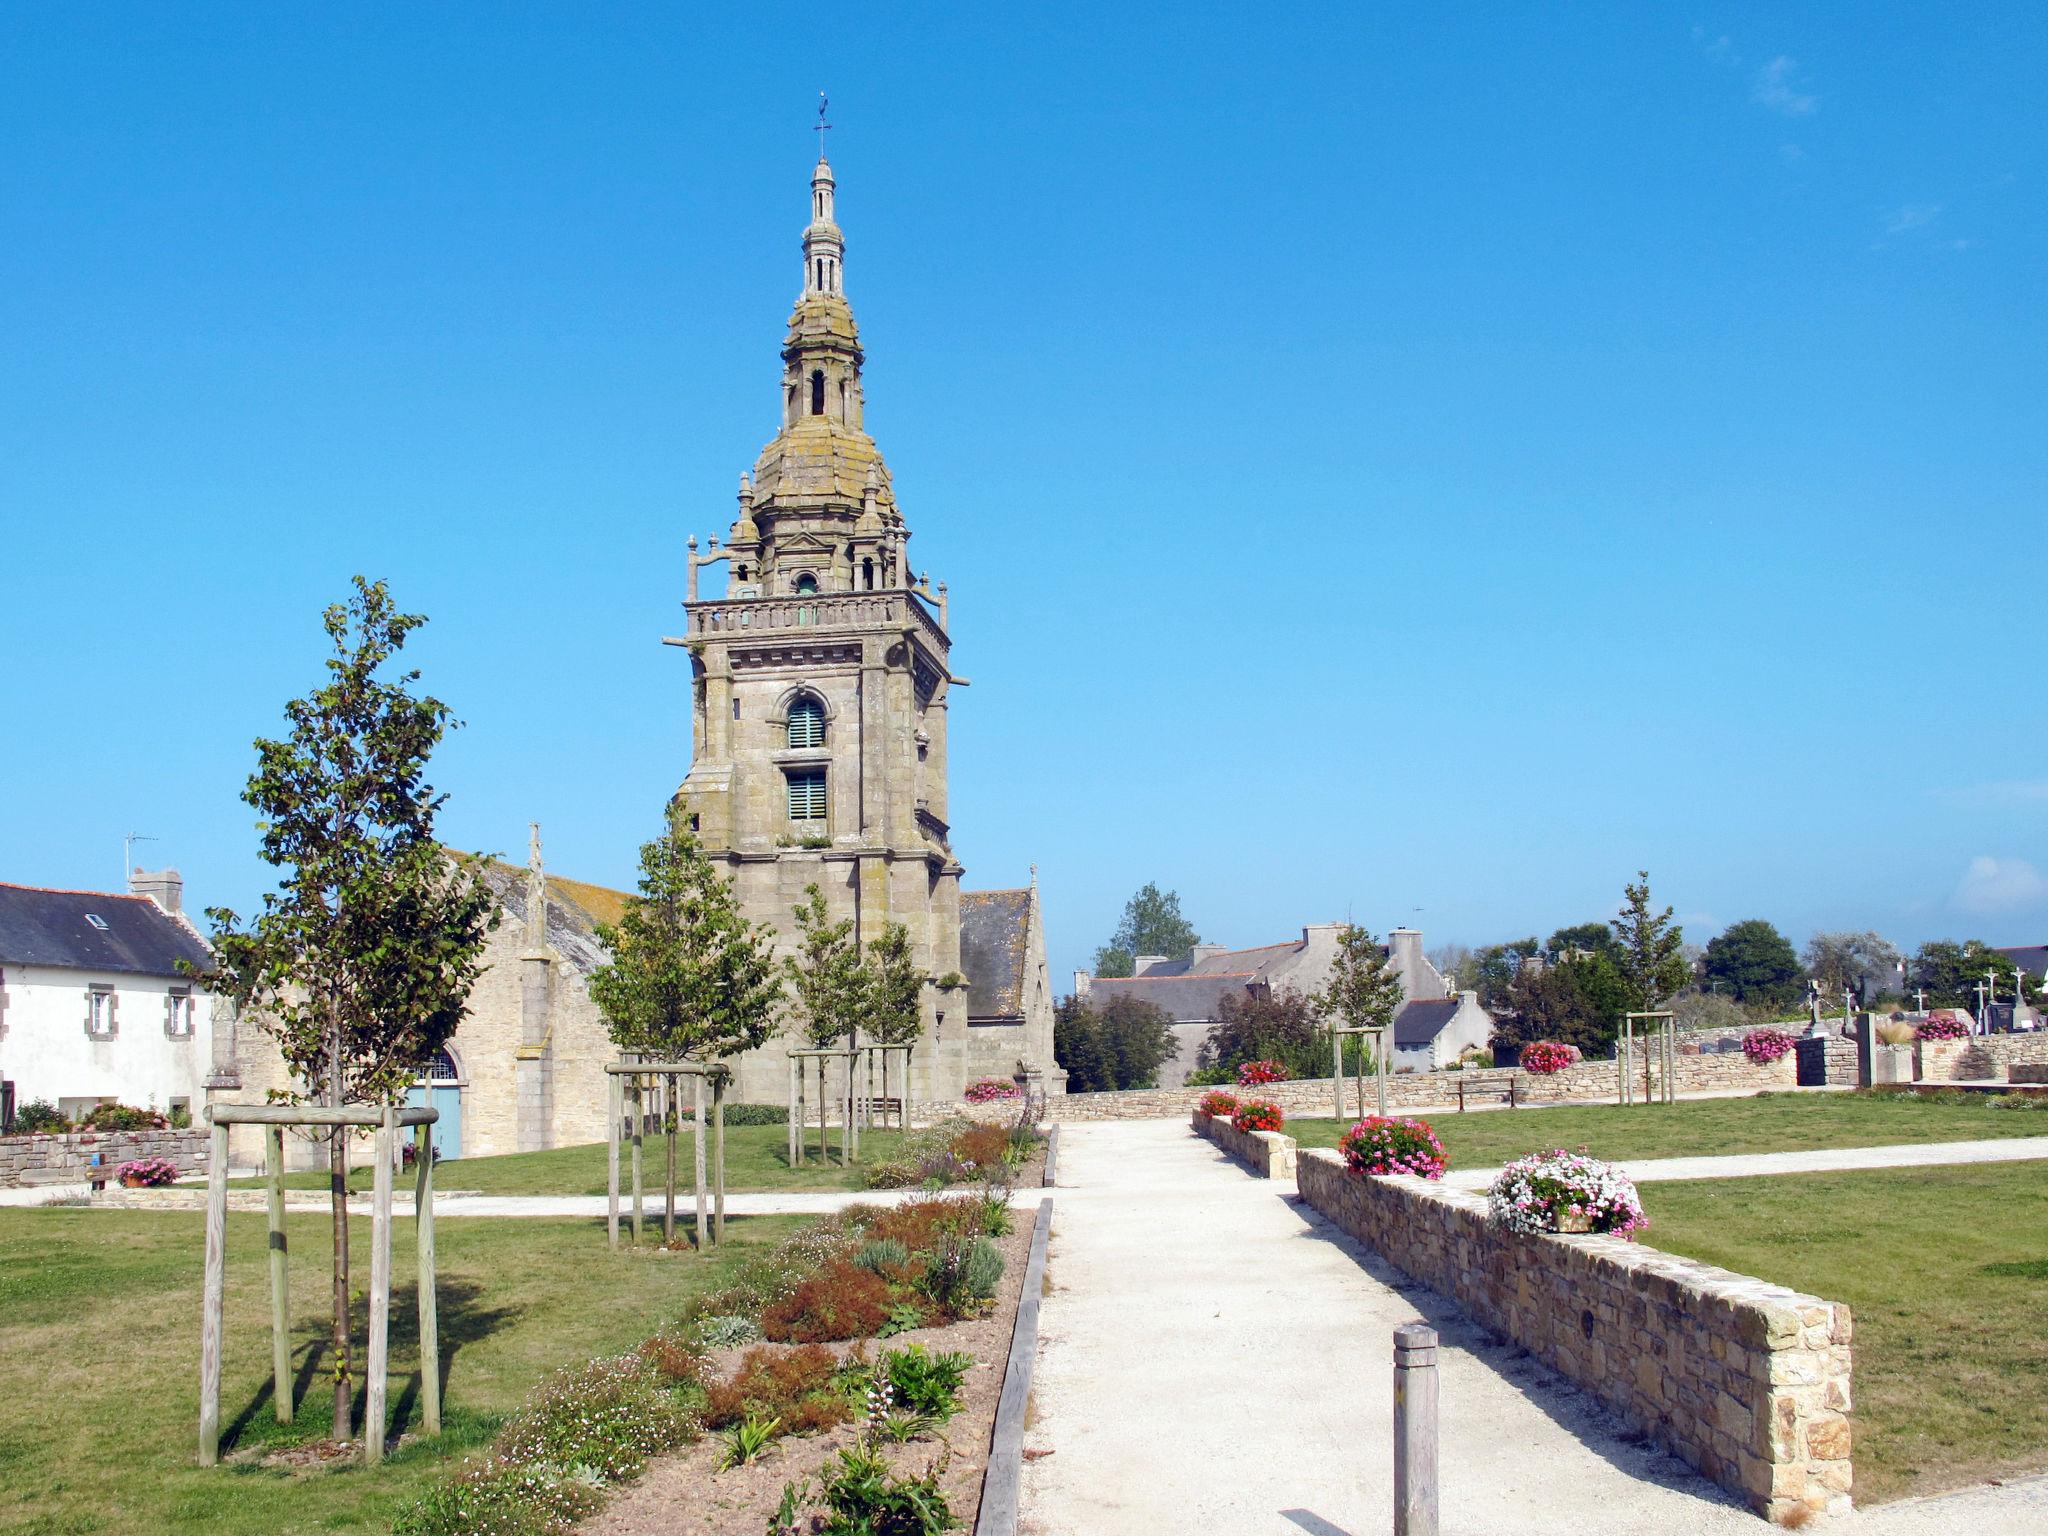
(757, 1114)
(608, 1415)
(1763, 1046)
(1253, 1074)
(1218, 1101)
(1385, 1144)
(1565, 1191)
(1543, 1057)
(797, 1386)
(840, 1301)
(987, 1089)
(1258, 1115)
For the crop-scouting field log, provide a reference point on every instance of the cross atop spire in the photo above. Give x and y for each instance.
(822, 127)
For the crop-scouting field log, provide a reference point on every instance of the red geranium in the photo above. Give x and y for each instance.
(1259, 1115)
(1546, 1056)
(1251, 1074)
(1219, 1101)
(1384, 1144)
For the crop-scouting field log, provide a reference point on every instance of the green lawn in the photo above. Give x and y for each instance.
(756, 1158)
(1771, 1122)
(1946, 1273)
(99, 1359)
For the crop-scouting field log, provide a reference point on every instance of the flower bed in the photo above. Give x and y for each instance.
(1543, 1057)
(1219, 1101)
(1254, 1074)
(147, 1173)
(1942, 1026)
(1767, 1045)
(1384, 1145)
(986, 1090)
(1565, 1192)
(1258, 1115)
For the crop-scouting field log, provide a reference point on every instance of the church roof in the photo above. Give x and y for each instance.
(995, 928)
(39, 926)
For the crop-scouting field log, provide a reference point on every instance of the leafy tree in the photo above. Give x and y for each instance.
(1693, 1009)
(1844, 961)
(833, 990)
(1253, 1027)
(1576, 1002)
(361, 961)
(1949, 972)
(1077, 1045)
(1495, 968)
(895, 1012)
(1648, 950)
(1121, 1045)
(1364, 989)
(1752, 962)
(690, 978)
(1152, 925)
(1590, 938)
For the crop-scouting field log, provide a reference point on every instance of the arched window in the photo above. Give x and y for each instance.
(807, 585)
(440, 1068)
(867, 575)
(818, 393)
(806, 724)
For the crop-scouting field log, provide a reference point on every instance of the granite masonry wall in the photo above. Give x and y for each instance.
(1269, 1154)
(1747, 1381)
(1979, 1058)
(30, 1160)
(1596, 1080)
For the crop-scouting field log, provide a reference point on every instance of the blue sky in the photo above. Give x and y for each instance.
(1405, 462)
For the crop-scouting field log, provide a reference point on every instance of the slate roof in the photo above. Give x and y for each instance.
(2032, 958)
(1186, 999)
(995, 928)
(45, 927)
(1420, 1022)
(1231, 962)
(575, 908)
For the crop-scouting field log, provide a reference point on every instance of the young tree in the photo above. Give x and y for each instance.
(361, 961)
(1753, 963)
(690, 978)
(1843, 962)
(895, 1011)
(1364, 989)
(832, 987)
(1649, 950)
(1152, 925)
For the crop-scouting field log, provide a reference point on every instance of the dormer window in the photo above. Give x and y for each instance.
(97, 921)
(806, 724)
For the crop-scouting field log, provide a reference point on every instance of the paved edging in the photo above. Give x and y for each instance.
(999, 1483)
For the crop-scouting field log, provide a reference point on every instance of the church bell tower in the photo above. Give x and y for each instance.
(820, 678)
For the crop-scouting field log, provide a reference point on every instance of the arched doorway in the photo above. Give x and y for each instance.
(442, 1085)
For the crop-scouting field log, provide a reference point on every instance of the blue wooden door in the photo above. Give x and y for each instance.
(445, 1089)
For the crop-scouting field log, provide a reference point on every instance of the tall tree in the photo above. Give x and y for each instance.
(690, 978)
(1752, 962)
(833, 990)
(1151, 925)
(1949, 972)
(1495, 968)
(1364, 989)
(1649, 948)
(1581, 938)
(1137, 1039)
(1077, 1045)
(361, 961)
(1843, 962)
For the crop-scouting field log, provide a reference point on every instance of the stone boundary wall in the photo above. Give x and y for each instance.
(1268, 1154)
(30, 1160)
(1977, 1058)
(1746, 1381)
(1407, 1091)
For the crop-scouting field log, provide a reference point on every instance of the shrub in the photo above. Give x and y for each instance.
(981, 1147)
(890, 1173)
(798, 1386)
(727, 1332)
(757, 1114)
(925, 1383)
(840, 1301)
(608, 1415)
(39, 1117)
(153, 1172)
(1942, 1026)
(1253, 1074)
(867, 1500)
(124, 1117)
(985, 1089)
(1546, 1056)
(1532, 1193)
(1219, 1102)
(1767, 1045)
(1381, 1144)
(884, 1256)
(920, 1224)
(1258, 1115)
(505, 1498)
(961, 1273)
(674, 1356)
(1479, 1060)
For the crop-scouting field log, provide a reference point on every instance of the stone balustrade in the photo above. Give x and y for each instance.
(819, 611)
(1747, 1381)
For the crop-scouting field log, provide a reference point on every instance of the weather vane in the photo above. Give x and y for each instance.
(822, 125)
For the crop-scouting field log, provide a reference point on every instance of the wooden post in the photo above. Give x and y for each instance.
(697, 1105)
(280, 1277)
(1337, 1069)
(1415, 1433)
(639, 1125)
(824, 1151)
(617, 1098)
(668, 1131)
(213, 1297)
(430, 1324)
(380, 1290)
(846, 1152)
(718, 1155)
(795, 1109)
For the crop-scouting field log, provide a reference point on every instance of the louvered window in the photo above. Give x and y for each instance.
(807, 795)
(807, 723)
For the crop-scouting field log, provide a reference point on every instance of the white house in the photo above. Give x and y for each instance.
(93, 1007)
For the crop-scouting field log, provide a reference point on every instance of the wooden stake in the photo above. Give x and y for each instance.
(430, 1322)
(213, 1298)
(617, 1095)
(718, 1150)
(639, 1125)
(280, 1277)
(380, 1289)
(1415, 1431)
(697, 1107)
(668, 1131)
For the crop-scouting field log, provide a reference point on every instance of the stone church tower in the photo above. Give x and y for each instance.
(820, 680)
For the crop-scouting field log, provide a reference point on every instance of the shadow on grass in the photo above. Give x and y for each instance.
(462, 1317)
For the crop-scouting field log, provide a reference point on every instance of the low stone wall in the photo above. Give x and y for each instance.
(2027, 1072)
(1979, 1058)
(1707, 1073)
(26, 1161)
(1268, 1154)
(1747, 1381)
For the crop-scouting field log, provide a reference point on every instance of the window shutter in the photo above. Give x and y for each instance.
(806, 724)
(807, 796)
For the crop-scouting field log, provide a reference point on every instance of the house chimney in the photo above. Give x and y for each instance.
(1418, 976)
(1082, 981)
(1144, 963)
(165, 887)
(1202, 952)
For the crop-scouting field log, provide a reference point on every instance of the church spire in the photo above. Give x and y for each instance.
(824, 246)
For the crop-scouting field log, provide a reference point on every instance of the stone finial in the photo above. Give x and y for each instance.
(536, 891)
(746, 489)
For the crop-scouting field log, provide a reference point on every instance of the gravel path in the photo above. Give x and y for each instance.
(1215, 1357)
(1748, 1165)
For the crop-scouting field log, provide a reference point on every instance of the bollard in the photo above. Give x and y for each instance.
(1414, 1430)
